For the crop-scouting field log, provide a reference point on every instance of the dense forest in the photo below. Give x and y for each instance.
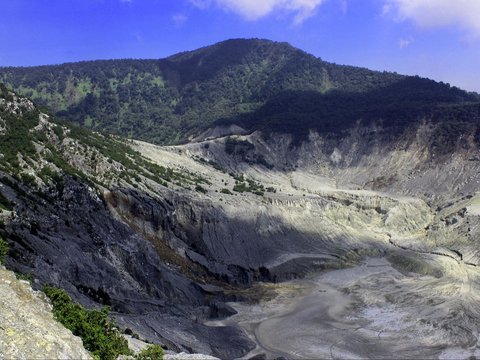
(256, 83)
(394, 107)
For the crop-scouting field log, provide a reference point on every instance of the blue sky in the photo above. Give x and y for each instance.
(439, 39)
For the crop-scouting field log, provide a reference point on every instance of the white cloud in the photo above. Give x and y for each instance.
(386, 9)
(256, 9)
(250, 9)
(344, 6)
(179, 19)
(202, 4)
(405, 42)
(439, 13)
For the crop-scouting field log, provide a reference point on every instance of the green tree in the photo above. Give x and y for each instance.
(152, 352)
(98, 333)
(4, 248)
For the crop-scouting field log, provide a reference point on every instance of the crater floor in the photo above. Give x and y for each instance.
(417, 299)
(372, 310)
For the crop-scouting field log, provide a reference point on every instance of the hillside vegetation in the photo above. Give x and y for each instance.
(394, 109)
(38, 150)
(165, 101)
(58, 183)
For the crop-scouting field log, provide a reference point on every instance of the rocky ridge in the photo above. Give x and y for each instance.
(28, 329)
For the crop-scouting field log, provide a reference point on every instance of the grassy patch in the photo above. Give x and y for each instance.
(248, 185)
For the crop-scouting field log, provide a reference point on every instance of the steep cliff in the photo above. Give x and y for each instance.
(57, 224)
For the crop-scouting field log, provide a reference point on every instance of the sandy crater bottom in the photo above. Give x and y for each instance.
(368, 311)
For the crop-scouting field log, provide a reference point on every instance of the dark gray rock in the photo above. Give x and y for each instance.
(220, 310)
(71, 240)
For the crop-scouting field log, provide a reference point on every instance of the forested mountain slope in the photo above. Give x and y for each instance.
(167, 100)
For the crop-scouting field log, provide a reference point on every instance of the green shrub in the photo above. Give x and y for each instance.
(226, 191)
(3, 249)
(240, 187)
(27, 277)
(5, 203)
(97, 331)
(28, 179)
(57, 129)
(200, 189)
(251, 186)
(152, 352)
(47, 173)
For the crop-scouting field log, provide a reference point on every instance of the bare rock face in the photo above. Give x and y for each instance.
(102, 261)
(28, 329)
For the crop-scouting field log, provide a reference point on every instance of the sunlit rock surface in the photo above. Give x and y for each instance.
(27, 327)
(414, 217)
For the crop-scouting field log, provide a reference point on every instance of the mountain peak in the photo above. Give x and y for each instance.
(238, 45)
(169, 100)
